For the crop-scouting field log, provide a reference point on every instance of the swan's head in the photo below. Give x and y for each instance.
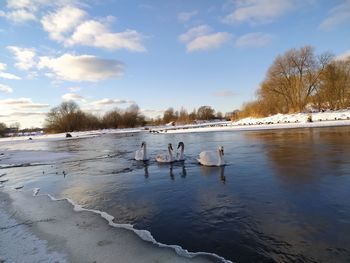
(170, 147)
(181, 144)
(221, 150)
(143, 144)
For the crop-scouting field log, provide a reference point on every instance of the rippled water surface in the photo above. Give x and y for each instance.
(284, 195)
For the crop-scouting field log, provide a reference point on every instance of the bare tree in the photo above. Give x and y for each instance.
(295, 76)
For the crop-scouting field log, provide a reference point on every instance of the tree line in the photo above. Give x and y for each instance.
(68, 117)
(299, 80)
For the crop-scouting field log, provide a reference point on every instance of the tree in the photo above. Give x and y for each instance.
(205, 113)
(294, 77)
(169, 115)
(334, 91)
(3, 129)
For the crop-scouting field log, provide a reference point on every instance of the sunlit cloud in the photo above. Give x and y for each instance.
(201, 38)
(257, 39)
(6, 75)
(5, 89)
(257, 11)
(73, 96)
(186, 16)
(18, 16)
(70, 26)
(107, 101)
(25, 57)
(22, 103)
(81, 68)
(62, 22)
(338, 15)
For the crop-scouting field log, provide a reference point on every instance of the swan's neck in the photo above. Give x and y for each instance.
(221, 159)
(181, 153)
(144, 152)
(170, 154)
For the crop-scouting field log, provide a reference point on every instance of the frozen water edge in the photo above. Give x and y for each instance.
(85, 236)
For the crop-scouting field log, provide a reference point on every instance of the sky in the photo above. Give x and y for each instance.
(155, 53)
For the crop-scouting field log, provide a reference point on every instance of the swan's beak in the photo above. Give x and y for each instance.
(178, 146)
(143, 144)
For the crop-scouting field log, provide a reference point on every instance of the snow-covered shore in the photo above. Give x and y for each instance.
(278, 121)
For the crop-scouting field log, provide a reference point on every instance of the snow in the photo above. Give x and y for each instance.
(278, 121)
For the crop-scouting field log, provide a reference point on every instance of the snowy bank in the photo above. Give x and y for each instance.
(278, 121)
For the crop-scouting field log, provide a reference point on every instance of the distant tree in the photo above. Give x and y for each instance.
(218, 115)
(112, 119)
(183, 116)
(3, 129)
(169, 115)
(205, 113)
(193, 115)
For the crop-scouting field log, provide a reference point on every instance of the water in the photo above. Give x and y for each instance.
(283, 197)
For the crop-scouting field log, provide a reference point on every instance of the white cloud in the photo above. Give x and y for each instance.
(107, 101)
(186, 16)
(70, 26)
(72, 96)
(343, 56)
(6, 75)
(82, 68)
(258, 11)
(201, 38)
(74, 89)
(340, 14)
(18, 16)
(257, 39)
(5, 89)
(22, 103)
(94, 33)
(62, 22)
(25, 57)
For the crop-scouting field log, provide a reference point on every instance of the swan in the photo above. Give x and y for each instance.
(180, 156)
(166, 158)
(212, 158)
(141, 154)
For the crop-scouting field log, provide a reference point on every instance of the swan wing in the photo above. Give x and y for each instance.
(208, 158)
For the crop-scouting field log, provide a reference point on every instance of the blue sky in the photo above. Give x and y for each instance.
(160, 53)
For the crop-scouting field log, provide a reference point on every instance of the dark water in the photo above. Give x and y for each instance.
(283, 197)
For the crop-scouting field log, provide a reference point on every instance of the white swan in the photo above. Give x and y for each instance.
(212, 158)
(141, 154)
(180, 156)
(166, 158)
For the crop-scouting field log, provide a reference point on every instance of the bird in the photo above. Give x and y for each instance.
(166, 158)
(212, 158)
(180, 156)
(141, 154)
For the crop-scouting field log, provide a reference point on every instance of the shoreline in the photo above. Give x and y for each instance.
(62, 231)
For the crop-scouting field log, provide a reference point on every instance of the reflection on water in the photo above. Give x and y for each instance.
(283, 197)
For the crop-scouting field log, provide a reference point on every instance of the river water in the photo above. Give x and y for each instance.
(284, 195)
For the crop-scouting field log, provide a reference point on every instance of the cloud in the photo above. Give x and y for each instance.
(107, 101)
(72, 96)
(81, 68)
(95, 34)
(186, 16)
(5, 89)
(257, 11)
(69, 25)
(25, 57)
(343, 56)
(63, 21)
(338, 15)
(6, 75)
(257, 39)
(18, 16)
(200, 38)
(224, 93)
(22, 103)
(74, 89)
